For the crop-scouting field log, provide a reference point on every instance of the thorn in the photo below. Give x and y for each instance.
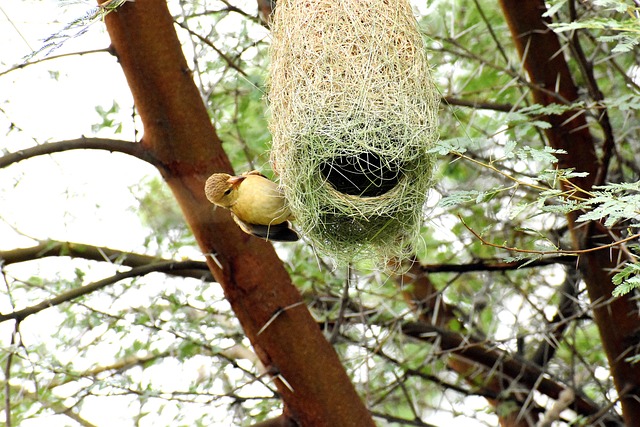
(212, 255)
(285, 382)
(277, 313)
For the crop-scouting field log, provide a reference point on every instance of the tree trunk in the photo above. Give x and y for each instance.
(179, 136)
(617, 318)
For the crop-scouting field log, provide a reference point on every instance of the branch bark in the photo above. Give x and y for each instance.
(492, 265)
(51, 57)
(178, 134)
(53, 248)
(84, 143)
(617, 319)
(491, 371)
(502, 365)
(74, 293)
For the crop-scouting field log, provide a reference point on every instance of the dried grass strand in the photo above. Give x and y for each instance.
(348, 78)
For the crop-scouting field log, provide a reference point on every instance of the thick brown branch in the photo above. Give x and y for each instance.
(53, 248)
(84, 143)
(178, 133)
(480, 105)
(485, 265)
(497, 361)
(74, 293)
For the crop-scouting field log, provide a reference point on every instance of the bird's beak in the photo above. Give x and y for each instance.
(235, 180)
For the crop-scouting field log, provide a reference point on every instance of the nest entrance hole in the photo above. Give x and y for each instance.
(363, 174)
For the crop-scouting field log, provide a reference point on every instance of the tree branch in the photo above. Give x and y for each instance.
(401, 421)
(55, 405)
(551, 252)
(499, 369)
(83, 143)
(497, 361)
(48, 58)
(314, 385)
(480, 105)
(53, 248)
(477, 353)
(220, 53)
(586, 67)
(485, 265)
(280, 421)
(617, 319)
(566, 310)
(74, 293)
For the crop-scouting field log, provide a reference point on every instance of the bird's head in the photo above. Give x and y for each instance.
(221, 189)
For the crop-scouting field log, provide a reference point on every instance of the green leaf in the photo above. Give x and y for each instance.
(553, 8)
(624, 103)
(626, 280)
(446, 146)
(458, 198)
(615, 202)
(544, 155)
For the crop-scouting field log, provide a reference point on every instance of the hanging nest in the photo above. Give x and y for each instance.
(353, 114)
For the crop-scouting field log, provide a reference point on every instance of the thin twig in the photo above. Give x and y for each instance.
(553, 252)
(222, 55)
(84, 143)
(74, 293)
(49, 58)
(7, 376)
(343, 306)
(586, 67)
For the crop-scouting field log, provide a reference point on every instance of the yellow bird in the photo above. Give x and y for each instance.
(257, 205)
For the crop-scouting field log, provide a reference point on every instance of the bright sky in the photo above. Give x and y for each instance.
(50, 110)
(73, 196)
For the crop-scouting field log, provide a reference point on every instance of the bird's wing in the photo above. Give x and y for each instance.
(254, 172)
(275, 232)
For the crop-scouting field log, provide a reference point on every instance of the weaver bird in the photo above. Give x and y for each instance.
(257, 205)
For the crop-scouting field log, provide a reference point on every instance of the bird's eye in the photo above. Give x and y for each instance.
(227, 192)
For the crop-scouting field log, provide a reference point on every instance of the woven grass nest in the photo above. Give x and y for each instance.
(353, 113)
